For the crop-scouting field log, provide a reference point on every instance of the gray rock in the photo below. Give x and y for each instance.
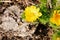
(8, 23)
(13, 10)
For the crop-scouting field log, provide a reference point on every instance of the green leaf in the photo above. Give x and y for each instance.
(57, 8)
(58, 33)
(44, 1)
(53, 2)
(54, 36)
(45, 14)
(53, 25)
(44, 20)
(23, 15)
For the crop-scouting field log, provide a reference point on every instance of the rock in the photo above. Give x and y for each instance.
(13, 10)
(8, 23)
(24, 30)
(11, 19)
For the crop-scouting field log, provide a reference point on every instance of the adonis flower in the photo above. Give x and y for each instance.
(32, 13)
(58, 38)
(55, 19)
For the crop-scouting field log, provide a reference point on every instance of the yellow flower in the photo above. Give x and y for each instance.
(55, 19)
(32, 13)
(58, 38)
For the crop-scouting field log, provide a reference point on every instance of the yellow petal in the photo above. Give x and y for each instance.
(32, 13)
(55, 19)
(58, 38)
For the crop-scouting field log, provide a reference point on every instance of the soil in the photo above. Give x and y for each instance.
(10, 16)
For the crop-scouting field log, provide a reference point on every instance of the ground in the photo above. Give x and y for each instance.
(12, 27)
